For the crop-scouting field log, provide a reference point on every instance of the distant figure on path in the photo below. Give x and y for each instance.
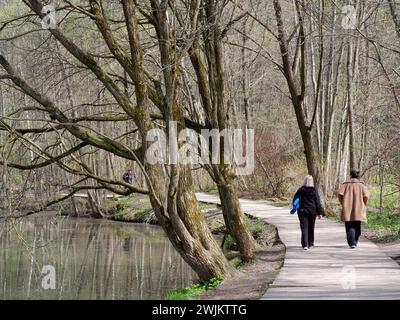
(353, 195)
(53, 116)
(127, 177)
(309, 208)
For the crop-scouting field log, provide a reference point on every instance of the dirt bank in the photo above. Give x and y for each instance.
(254, 279)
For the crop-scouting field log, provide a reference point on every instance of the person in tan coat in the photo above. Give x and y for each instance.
(353, 195)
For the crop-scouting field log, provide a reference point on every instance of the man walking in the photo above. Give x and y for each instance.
(353, 195)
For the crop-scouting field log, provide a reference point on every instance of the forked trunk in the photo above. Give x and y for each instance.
(207, 258)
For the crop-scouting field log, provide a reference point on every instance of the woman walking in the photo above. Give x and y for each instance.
(353, 195)
(309, 208)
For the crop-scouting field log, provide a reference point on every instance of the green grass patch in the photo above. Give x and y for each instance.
(383, 226)
(334, 218)
(216, 223)
(229, 243)
(280, 202)
(390, 199)
(387, 221)
(135, 208)
(241, 265)
(194, 290)
(203, 206)
(255, 226)
(211, 189)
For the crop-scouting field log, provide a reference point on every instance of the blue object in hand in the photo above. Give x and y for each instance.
(296, 205)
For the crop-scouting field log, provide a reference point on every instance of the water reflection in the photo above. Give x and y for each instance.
(92, 259)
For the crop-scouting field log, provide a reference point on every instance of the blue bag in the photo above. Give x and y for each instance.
(296, 205)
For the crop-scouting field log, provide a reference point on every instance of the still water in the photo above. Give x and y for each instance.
(89, 258)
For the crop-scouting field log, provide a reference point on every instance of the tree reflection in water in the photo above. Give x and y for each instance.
(93, 259)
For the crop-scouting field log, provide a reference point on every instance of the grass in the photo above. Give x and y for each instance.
(211, 189)
(391, 198)
(194, 290)
(255, 225)
(229, 244)
(384, 226)
(333, 216)
(135, 208)
(203, 206)
(241, 265)
(384, 223)
(388, 221)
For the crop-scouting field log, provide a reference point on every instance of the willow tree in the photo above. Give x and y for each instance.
(169, 186)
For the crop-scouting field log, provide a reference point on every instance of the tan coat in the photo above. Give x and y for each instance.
(353, 195)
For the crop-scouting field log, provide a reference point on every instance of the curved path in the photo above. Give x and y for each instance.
(329, 271)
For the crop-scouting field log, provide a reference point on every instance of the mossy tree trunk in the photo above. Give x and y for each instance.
(209, 69)
(233, 216)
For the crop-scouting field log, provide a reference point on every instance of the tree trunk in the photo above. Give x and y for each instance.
(207, 258)
(181, 217)
(350, 104)
(297, 94)
(211, 83)
(233, 214)
(94, 204)
(186, 227)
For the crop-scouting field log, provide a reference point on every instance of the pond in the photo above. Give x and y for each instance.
(53, 257)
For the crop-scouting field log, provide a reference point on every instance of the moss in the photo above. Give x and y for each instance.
(139, 113)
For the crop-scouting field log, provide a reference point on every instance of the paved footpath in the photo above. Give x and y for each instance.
(329, 271)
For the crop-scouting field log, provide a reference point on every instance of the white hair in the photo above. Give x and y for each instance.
(309, 181)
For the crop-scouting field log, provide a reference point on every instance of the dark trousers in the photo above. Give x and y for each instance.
(307, 225)
(353, 232)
